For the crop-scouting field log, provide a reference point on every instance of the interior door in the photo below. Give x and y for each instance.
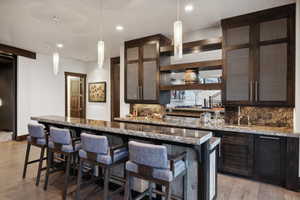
(115, 88)
(75, 95)
(75, 98)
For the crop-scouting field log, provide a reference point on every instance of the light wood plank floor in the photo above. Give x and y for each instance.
(13, 187)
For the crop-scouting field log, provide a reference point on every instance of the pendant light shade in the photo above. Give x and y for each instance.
(178, 39)
(100, 53)
(55, 63)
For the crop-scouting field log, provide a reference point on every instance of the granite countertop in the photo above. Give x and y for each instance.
(187, 122)
(178, 135)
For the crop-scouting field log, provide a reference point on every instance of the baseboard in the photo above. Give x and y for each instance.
(21, 137)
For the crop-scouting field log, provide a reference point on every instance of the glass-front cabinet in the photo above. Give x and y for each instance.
(142, 60)
(259, 58)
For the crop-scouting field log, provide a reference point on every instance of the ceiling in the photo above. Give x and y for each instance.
(29, 24)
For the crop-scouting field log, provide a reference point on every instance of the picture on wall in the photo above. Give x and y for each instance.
(97, 92)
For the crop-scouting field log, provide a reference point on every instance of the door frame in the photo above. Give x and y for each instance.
(113, 61)
(66, 91)
(14, 92)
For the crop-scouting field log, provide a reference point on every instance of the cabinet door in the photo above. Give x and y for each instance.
(237, 76)
(132, 82)
(237, 154)
(269, 159)
(237, 36)
(150, 82)
(273, 74)
(273, 30)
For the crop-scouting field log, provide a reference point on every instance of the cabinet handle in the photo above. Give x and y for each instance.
(138, 92)
(268, 137)
(256, 90)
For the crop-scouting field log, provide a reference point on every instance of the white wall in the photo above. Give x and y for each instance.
(40, 92)
(99, 111)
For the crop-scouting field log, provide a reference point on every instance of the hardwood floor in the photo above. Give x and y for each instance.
(5, 136)
(13, 187)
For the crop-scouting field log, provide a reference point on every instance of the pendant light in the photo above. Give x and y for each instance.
(55, 63)
(100, 44)
(178, 35)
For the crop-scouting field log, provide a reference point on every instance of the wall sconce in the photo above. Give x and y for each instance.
(1, 102)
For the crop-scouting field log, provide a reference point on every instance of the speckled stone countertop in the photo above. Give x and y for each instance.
(178, 135)
(186, 122)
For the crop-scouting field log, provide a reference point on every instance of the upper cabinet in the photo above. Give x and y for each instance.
(259, 58)
(142, 60)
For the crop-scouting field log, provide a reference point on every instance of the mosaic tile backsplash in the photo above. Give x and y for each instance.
(265, 116)
(148, 109)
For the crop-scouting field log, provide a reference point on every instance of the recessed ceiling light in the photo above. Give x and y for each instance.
(119, 28)
(55, 19)
(189, 8)
(60, 45)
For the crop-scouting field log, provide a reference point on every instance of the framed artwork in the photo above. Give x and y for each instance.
(97, 92)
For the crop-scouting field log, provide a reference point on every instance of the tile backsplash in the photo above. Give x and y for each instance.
(265, 116)
(148, 109)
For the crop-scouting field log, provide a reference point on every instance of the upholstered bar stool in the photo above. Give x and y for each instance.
(37, 138)
(96, 151)
(61, 142)
(150, 162)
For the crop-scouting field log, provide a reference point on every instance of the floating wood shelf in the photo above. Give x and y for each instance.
(196, 46)
(209, 86)
(207, 65)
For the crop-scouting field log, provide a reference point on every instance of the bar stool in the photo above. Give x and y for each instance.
(96, 151)
(150, 162)
(37, 138)
(61, 142)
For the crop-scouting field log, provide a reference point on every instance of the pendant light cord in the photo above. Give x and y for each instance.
(100, 19)
(178, 9)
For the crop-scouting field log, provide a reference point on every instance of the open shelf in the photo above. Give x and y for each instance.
(207, 65)
(196, 46)
(209, 86)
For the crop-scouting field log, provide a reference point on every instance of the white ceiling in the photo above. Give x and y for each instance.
(29, 24)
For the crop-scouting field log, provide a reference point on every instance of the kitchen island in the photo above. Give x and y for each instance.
(262, 153)
(194, 142)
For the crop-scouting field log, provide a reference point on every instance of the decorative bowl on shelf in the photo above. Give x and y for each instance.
(190, 76)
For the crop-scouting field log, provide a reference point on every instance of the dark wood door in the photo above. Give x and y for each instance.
(270, 159)
(115, 87)
(6, 94)
(76, 98)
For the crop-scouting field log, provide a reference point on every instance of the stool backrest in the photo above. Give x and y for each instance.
(94, 143)
(148, 154)
(36, 130)
(60, 136)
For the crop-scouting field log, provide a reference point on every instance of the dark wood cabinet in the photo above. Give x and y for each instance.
(270, 159)
(259, 58)
(142, 58)
(270, 154)
(236, 153)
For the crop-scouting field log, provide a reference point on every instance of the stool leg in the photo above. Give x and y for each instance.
(127, 195)
(79, 179)
(26, 160)
(67, 173)
(168, 191)
(150, 190)
(185, 186)
(106, 183)
(40, 166)
(49, 165)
